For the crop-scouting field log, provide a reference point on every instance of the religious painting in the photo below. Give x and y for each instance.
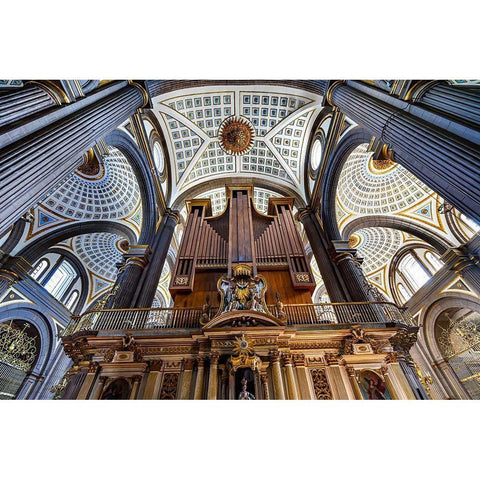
(373, 386)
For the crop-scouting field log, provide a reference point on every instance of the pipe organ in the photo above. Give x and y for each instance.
(241, 236)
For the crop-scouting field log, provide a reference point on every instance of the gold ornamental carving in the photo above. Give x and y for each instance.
(243, 355)
(302, 277)
(169, 386)
(181, 280)
(236, 135)
(17, 348)
(320, 384)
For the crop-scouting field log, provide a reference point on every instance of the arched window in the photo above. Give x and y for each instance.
(40, 269)
(61, 279)
(433, 261)
(404, 293)
(413, 272)
(72, 298)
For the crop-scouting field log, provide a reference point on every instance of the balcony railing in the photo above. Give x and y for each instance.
(189, 318)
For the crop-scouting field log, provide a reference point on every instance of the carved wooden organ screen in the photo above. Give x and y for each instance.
(241, 235)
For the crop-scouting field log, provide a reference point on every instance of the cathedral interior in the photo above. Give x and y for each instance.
(240, 239)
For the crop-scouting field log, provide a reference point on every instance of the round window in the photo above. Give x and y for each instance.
(158, 157)
(316, 154)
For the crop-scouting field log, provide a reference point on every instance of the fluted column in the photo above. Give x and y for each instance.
(304, 389)
(354, 383)
(330, 274)
(12, 270)
(198, 395)
(97, 394)
(337, 378)
(277, 375)
(152, 387)
(213, 377)
(441, 153)
(151, 275)
(187, 378)
(49, 147)
(264, 381)
(74, 384)
(402, 342)
(23, 102)
(455, 389)
(289, 376)
(84, 392)
(465, 262)
(136, 384)
(129, 275)
(461, 102)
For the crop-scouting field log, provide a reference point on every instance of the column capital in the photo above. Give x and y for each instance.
(332, 359)
(188, 363)
(155, 365)
(274, 356)
(287, 359)
(351, 371)
(200, 361)
(214, 356)
(172, 214)
(299, 360)
(93, 367)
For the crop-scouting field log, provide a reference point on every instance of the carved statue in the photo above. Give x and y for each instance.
(279, 305)
(128, 342)
(206, 310)
(244, 395)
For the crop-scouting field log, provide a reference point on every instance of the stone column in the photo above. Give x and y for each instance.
(152, 387)
(74, 384)
(151, 275)
(397, 383)
(289, 376)
(187, 378)
(461, 102)
(198, 395)
(213, 377)
(354, 382)
(97, 394)
(84, 392)
(224, 383)
(129, 275)
(337, 378)
(402, 342)
(12, 270)
(329, 271)
(136, 383)
(50, 146)
(23, 102)
(264, 380)
(277, 375)
(305, 391)
(425, 143)
(465, 263)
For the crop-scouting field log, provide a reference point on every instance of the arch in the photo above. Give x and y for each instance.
(328, 183)
(40, 322)
(81, 271)
(141, 168)
(15, 236)
(408, 226)
(38, 248)
(210, 184)
(428, 319)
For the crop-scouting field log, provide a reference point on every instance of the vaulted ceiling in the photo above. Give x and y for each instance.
(281, 118)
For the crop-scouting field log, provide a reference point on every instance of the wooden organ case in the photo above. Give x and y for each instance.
(241, 241)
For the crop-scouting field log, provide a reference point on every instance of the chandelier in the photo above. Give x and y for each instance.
(17, 347)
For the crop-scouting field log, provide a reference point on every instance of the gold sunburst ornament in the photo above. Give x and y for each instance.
(236, 135)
